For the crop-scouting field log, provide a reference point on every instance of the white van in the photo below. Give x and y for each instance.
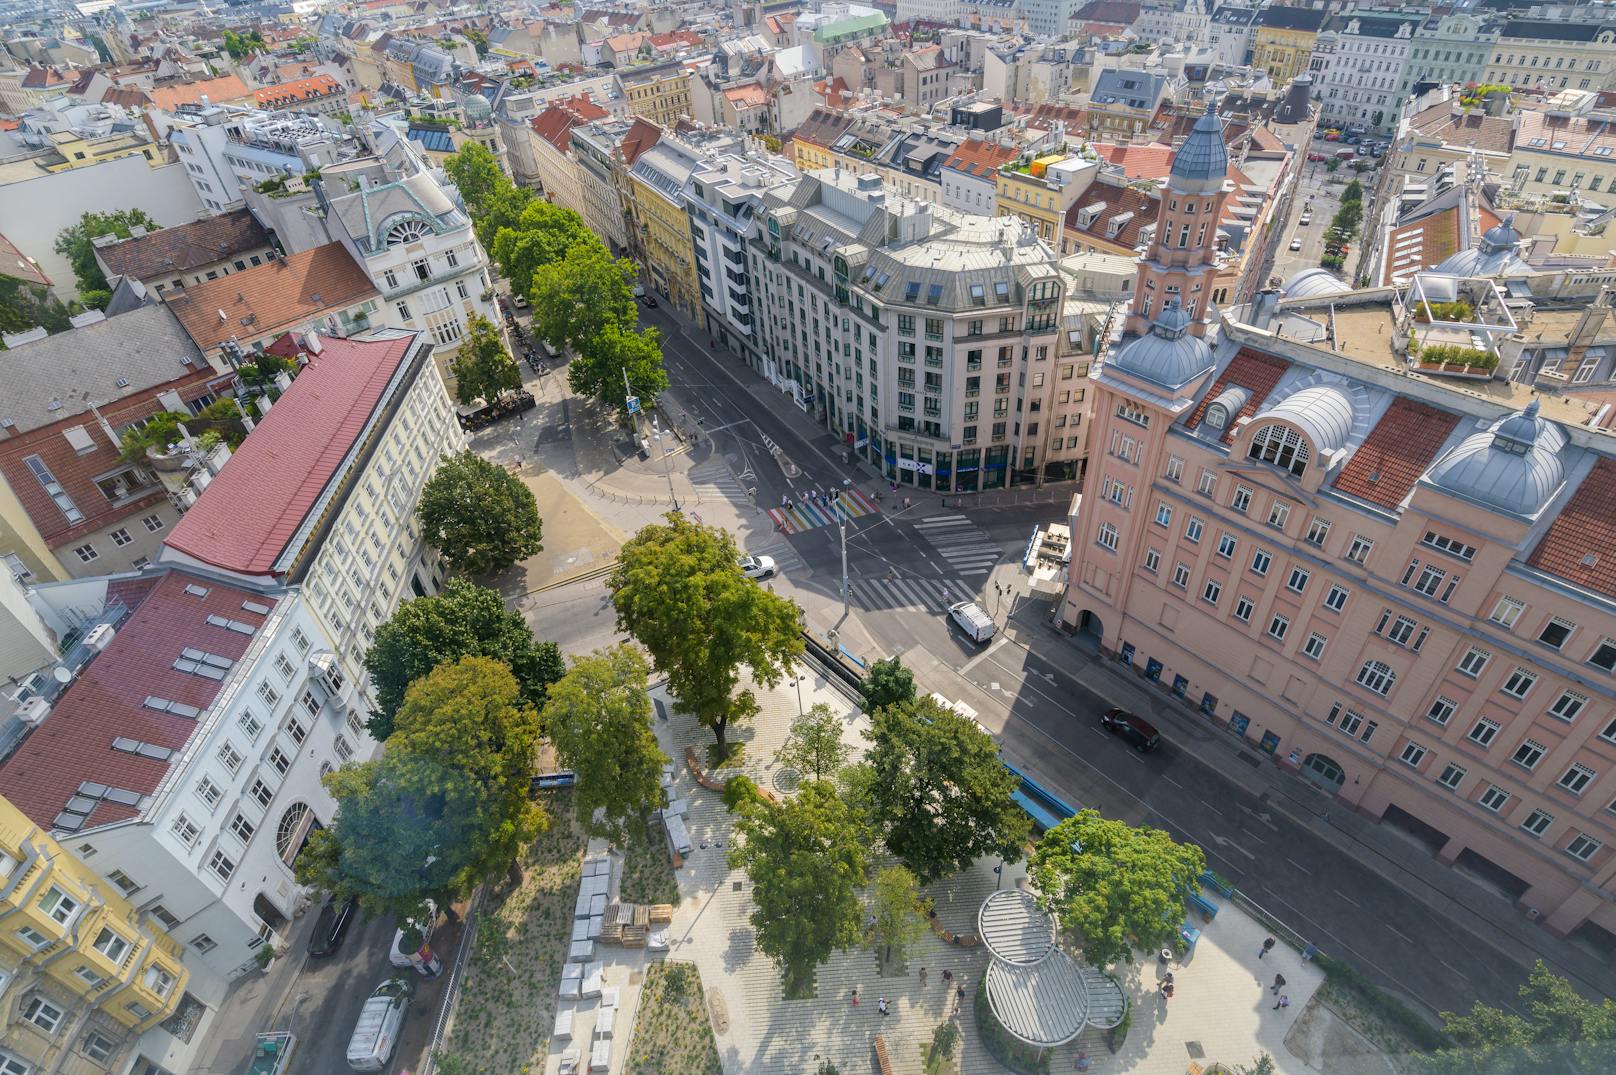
(973, 621)
(375, 1035)
(398, 957)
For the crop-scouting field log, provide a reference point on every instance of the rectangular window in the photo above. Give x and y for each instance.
(1152, 560)
(58, 906)
(1576, 779)
(278, 759)
(1441, 710)
(222, 865)
(269, 695)
(1452, 776)
(1537, 823)
(1107, 537)
(186, 830)
(1278, 515)
(1519, 682)
(1582, 847)
(209, 792)
(1604, 657)
(126, 884)
(1181, 575)
(1243, 609)
(1241, 499)
(1164, 514)
(1314, 646)
(1336, 599)
(86, 553)
(1493, 798)
(1212, 592)
(1528, 754)
(153, 523)
(1507, 611)
(249, 724)
(1448, 545)
(1556, 632)
(1277, 628)
(1206, 483)
(1193, 530)
(1430, 581)
(1358, 551)
(230, 756)
(1484, 732)
(1175, 469)
(1472, 663)
(203, 943)
(1259, 562)
(1317, 531)
(1226, 546)
(97, 1047)
(111, 944)
(1568, 705)
(32, 937)
(121, 537)
(242, 827)
(43, 1014)
(296, 730)
(1297, 581)
(262, 793)
(1412, 754)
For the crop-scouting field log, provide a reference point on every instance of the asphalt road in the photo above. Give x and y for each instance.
(1323, 191)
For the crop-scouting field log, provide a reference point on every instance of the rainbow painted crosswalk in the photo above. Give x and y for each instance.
(808, 515)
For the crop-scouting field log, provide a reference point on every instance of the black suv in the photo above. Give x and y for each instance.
(331, 925)
(1136, 730)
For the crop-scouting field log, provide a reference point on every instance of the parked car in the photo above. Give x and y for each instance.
(649, 300)
(1135, 729)
(480, 413)
(1345, 154)
(1315, 157)
(1307, 217)
(332, 925)
(398, 956)
(758, 567)
(1296, 243)
(519, 301)
(375, 1035)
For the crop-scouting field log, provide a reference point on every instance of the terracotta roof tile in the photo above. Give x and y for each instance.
(1115, 200)
(1396, 452)
(226, 88)
(822, 127)
(185, 246)
(107, 700)
(641, 136)
(249, 512)
(1580, 545)
(282, 294)
(1486, 133)
(1252, 370)
(284, 94)
(979, 157)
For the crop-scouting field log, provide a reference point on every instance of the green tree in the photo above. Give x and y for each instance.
(941, 794)
(1561, 1031)
(501, 209)
(545, 234)
(1262, 1065)
(478, 39)
(241, 46)
(479, 515)
(678, 589)
(604, 360)
(805, 858)
(889, 683)
(461, 620)
(482, 367)
(445, 808)
(1114, 886)
(814, 746)
(599, 718)
(899, 911)
(475, 173)
(576, 299)
(76, 243)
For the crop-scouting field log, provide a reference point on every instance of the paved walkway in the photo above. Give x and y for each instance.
(1222, 1010)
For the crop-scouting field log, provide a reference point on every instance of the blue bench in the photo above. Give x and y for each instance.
(1045, 809)
(1217, 884)
(1042, 820)
(1197, 902)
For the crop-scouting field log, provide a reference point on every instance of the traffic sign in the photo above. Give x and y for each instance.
(634, 404)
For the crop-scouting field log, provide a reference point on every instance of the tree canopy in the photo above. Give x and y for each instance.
(543, 235)
(241, 46)
(76, 244)
(481, 517)
(679, 590)
(462, 620)
(940, 793)
(475, 173)
(599, 718)
(1114, 886)
(898, 909)
(482, 367)
(814, 746)
(805, 857)
(575, 300)
(444, 808)
(603, 360)
(1561, 1031)
(889, 683)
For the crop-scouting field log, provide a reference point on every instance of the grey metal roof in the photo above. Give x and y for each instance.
(1496, 254)
(1014, 929)
(1136, 89)
(1202, 162)
(1167, 355)
(1045, 1004)
(1313, 282)
(1323, 412)
(1513, 466)
(367, 214)
(75, 369)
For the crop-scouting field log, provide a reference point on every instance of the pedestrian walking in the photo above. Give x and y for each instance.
(959, 995)
(1284, 1002)
(1167, 991)
(1309, 952)
(948, 975)
(882, 1005)
(1267, 946)
(1279, 982)
(855, 996)
(922, 975)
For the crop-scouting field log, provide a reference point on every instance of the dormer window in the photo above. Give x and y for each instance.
(1281, 446)
(1216, 416)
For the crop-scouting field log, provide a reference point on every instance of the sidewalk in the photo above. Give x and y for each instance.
(1496, 919)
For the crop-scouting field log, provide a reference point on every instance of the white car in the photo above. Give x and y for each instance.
(1296, 243)
(758, 567)
(1307, 217)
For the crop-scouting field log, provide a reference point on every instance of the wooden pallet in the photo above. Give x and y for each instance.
(661, 914)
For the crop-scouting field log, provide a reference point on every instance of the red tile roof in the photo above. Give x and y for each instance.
(1396, 452)
(107, 700)
(303, 90)
(1580, 545)
(749, 96)
(225, 88)
(39, 78)
(1252, 370)
(247, 514)
(979, 158)
(1487, 133)
(555, 123)
(1137, 162)
(285, 293)
(641, 135)
(1115, 200)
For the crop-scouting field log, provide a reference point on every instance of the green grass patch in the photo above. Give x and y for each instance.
(647, 869)
(672, 1034)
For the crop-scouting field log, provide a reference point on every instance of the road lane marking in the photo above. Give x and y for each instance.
(1307, 872)
(1400, 933)
(1214, 809)
(1349, 899)
(1173, 782)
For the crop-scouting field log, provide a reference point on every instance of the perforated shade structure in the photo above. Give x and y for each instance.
(1037, 992)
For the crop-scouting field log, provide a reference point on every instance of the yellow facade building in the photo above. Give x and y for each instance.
(656, 205)
(657, 92)
(1040, 190)
(1283, 43)
(83, 974)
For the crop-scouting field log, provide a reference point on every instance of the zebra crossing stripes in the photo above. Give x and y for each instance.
(966, 548)
(718, 477)
(875, 594)
(785, 556)
(807, 515)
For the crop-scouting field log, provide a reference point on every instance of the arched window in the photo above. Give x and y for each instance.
(407, 231)
(1281, 446)
(292, 831)
(1376, 677)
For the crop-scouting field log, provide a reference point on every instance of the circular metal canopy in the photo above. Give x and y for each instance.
(1044, 1004)
(1014, 930)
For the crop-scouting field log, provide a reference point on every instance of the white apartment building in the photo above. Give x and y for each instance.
(595, 149)
(211, 693)
(225, 148)
(927, 339)
(1449, 50)
(722, 198)
(1171, 22)
(1363, 83)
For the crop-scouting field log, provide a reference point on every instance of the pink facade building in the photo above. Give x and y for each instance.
(1392, 569)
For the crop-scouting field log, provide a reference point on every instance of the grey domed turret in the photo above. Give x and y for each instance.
(1497, 254)
(1202, 162)
(1513, 466)
(1167, 355)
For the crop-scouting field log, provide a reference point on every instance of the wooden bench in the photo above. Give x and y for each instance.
(882, 1062)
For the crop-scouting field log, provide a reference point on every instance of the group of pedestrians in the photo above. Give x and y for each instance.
(948, 980)
(1284, 1000)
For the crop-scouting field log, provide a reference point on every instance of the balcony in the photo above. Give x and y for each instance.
(972, 393)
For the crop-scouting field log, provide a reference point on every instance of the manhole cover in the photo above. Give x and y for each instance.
(1195, 1050)
(786, 780)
